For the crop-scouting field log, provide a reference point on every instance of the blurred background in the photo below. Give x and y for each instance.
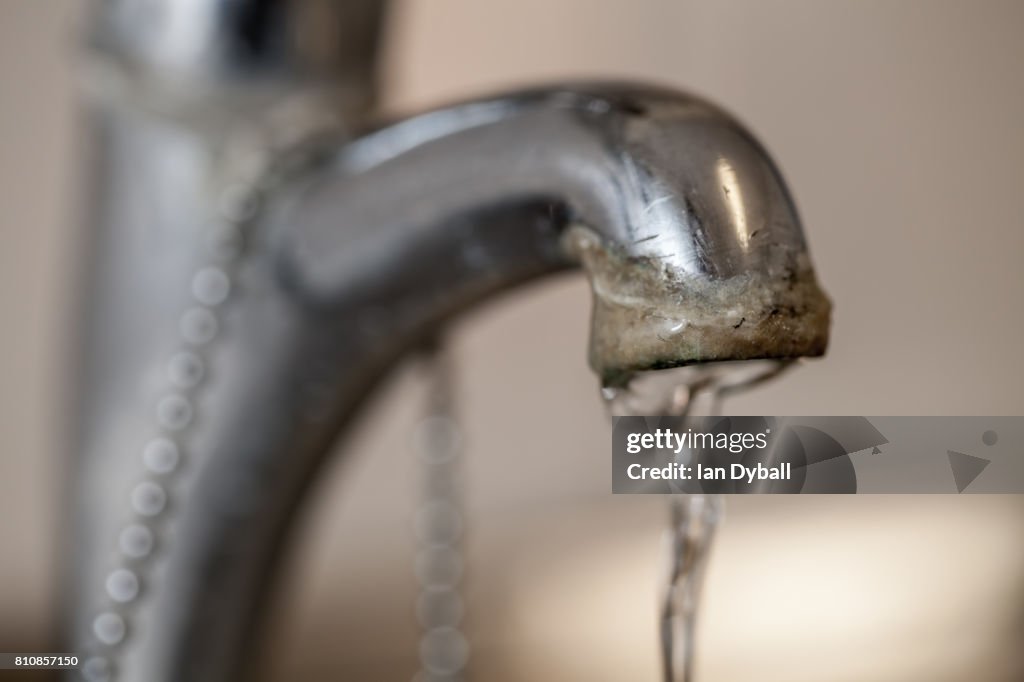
(899, 128)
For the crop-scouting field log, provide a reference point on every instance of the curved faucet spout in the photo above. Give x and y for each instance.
(682, 221)
(219, 379)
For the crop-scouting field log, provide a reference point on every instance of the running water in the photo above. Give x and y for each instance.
(444, 649)
(697, 390)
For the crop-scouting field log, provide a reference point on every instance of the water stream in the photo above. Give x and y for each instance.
(697, 390)
(437, 442)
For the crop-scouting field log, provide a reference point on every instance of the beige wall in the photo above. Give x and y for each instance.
(899, 128)
(36, 166)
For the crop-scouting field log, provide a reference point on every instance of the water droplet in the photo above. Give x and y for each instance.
(437, 438)
(148, 498)
(160, 456)
(97, 669)
(174, 412)
(136, 541)
(438, 522)
(211, 286)
(185, 370)
(109, 628)
(439, 607)
(444, 651)
(122, 585)
(198, 326)
(438, 567)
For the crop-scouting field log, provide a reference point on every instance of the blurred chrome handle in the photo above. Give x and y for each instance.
(191, 102)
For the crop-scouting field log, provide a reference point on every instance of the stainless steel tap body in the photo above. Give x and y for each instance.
(260, 261)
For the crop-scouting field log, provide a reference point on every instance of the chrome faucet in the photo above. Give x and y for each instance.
(261, 259)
